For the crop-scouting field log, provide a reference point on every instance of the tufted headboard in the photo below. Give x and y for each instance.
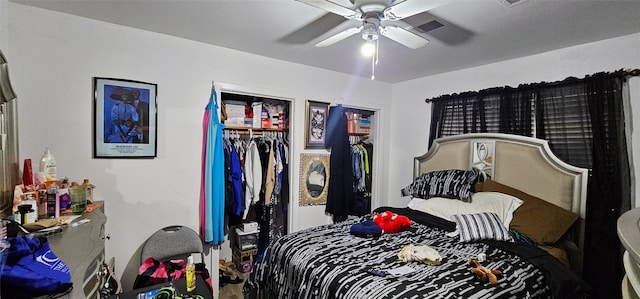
(524, 163)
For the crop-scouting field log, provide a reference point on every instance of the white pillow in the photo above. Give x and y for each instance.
(498, 203)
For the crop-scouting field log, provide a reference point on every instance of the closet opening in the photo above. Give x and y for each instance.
(359, 125)
(350, 140)
(257, 170)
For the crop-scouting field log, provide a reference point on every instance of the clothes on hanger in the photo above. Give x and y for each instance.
(257, 176)
(340, 193)
(252, 176)
(212, 181)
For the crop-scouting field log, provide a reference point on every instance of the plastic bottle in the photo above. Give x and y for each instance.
(29, 199)
(48, 166)
(42, 204)
(89, 187)
(53, 202)
(191, 275)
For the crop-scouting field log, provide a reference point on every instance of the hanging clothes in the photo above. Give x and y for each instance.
(368, 154)
(284, 183)
(213, 181)
(252, 175)
(234, 189)
(235, 178)
(340, 191)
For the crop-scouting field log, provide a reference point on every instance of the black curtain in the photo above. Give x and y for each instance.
(495, 110)
(608, 190)
(461, 114)
(583, 121)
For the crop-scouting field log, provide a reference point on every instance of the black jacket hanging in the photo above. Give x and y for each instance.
(340, 191)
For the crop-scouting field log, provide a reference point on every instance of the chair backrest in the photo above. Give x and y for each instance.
(172, 241)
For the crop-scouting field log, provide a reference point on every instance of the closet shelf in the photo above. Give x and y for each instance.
(254, 129)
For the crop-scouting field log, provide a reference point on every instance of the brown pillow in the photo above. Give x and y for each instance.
(541, 221)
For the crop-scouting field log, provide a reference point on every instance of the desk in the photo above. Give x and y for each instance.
(201, 289)
(82, 249)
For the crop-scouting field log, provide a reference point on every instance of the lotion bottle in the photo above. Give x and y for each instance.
(48, 166)
(191, 275)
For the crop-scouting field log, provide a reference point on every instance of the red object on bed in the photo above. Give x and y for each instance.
(391, 223)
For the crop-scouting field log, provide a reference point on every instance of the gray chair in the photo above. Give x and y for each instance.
(173, 242)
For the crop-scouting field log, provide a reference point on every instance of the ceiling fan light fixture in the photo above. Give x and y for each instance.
(369, 35)
(370, 29)
(368, 49)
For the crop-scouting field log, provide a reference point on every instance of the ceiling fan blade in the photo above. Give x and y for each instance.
(313, 30)
(404, 37)
(334, 8)
(409, 8)
(338, 37)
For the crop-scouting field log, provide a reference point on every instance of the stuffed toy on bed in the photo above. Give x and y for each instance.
(382, 223)
(391, 223)
(483, 273)
(420, 253)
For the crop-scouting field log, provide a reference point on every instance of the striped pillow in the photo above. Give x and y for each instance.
(450, 183)
(480, 226)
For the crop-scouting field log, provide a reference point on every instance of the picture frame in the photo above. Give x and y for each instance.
(314, 179)
(125, 118)
(315, 124)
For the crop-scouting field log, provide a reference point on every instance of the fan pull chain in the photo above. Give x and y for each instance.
(377, 41)
(373, 67)
(374, 62)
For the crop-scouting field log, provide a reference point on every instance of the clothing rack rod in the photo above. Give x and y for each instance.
(259, 132)
(248, 133)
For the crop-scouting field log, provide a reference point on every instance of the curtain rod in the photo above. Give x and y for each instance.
(630, 73)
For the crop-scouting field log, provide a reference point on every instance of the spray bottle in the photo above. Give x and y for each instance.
(191, 275)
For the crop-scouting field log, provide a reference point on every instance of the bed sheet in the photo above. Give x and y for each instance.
(329, 262)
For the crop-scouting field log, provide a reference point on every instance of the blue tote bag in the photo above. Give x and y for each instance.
(33, 268)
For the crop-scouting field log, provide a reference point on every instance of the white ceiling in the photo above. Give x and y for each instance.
(476, 32)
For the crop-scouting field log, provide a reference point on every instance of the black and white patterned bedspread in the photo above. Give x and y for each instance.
(329, 262)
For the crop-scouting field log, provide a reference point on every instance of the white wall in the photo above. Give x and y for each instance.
(411, 111)
(4, 20)
(53, 59)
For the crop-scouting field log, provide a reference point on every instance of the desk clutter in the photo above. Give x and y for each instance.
(44, 195)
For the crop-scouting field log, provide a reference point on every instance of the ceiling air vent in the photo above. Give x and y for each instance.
(509, 3)
(428, 26)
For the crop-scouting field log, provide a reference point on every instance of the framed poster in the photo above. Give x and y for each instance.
(316, 124)
(314, 179)
(125, 119)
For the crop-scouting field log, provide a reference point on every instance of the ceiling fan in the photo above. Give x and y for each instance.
(371, 13)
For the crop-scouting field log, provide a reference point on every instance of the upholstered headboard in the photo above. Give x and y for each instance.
(520, 162)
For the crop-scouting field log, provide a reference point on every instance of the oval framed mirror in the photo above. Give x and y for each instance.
(314, 179)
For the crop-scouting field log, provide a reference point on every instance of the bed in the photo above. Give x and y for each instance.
(513, 182)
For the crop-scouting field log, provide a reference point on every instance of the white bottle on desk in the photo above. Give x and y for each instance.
(48, 166)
